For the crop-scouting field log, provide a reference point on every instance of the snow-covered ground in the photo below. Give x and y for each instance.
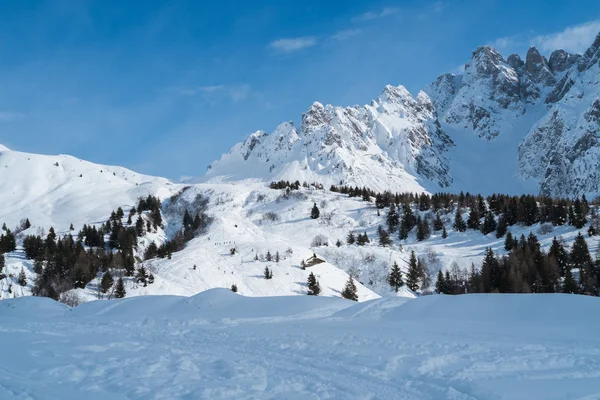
(220, 345)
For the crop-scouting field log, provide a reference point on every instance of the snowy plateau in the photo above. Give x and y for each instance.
(504, 126)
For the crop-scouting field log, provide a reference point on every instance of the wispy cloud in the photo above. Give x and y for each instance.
(9, 116)
(234, 92)
(574, 39)
(371, 15)
(346, 34)
(293, 44)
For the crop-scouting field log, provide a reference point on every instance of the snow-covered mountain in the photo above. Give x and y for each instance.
(527, 126)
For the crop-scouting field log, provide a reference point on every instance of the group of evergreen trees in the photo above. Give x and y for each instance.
(529, 269)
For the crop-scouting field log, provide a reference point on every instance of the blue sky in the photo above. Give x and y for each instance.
(165, 87)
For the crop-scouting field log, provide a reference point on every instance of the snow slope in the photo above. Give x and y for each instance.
(60, 190)
(219, 345)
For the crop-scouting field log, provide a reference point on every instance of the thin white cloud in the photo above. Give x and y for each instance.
(346, 34)
(9, 116)
(371, 15)
(574, 39)
(293, 44)
(234, 92)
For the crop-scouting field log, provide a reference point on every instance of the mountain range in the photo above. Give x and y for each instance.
(503, 125)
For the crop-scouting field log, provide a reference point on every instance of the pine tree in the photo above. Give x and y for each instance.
(384, 237)
(350, 239)
(459, 223)
(569, 284)
(393, 219)
(350, 291)
(150, 278)
(489, 223)
(277, 257)
(268, 273)
(440, 283)
(438, 224)
(403, 232)
(474, 220)
(234, 288)
(120, 289)
(395, 277)
(314, 289)
(444, 233)
(501, 227)
(558, 252)
(71, 228)
(28, 224)
(106, 282)
(22, 278)
(579, 214)
(412, 278)
(142, 275)
(314, 213)
(269, 257)
(2, 262)
(420, 229)
(338, 243)
(509, 242)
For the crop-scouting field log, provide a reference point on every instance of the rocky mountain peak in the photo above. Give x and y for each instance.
(538, 68)
(515, 61)
(591, 56)
(561, 61)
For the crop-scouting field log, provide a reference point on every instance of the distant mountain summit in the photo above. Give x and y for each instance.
(508, 125)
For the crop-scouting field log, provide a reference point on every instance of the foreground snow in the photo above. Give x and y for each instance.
(219, 345)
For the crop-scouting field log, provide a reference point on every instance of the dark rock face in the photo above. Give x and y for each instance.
(591, 56)
(561, 61)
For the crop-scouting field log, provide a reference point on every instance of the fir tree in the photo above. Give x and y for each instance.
(578, 214)
(277, 257)
(314, 213)
(501, 227)
(268, 274)
(350, 239)
(150, 278)
(558, 252)
(28, 224)
(440, 283)
(269, 257)
(474, 220)
(438, 224)
(120, 289)
(142, 275)
(384, 237)
(569, 284)
(106, 282)
(509, 242)
(403, 232)
(22, 278)
(395, 277)
(314, 289)
(444, 233)
(234, 288)
(350, 291)
(489, 223)
(338, 243)
(412, 278)
(2, 262)
(459, 223)
(393, 219)
(420, 230)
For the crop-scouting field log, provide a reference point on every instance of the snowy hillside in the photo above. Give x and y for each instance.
(503, 125)
(60, 190)
(219, 345)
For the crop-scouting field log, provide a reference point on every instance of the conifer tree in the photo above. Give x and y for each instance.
(444, 233)
(150, 278)
(268, 273)
(314, 213)
(438, 224)
(314, 289)
(474, 220)
(277, 257)
(459, 223)
(395, 277)
(509, 242)
(558, 252)
(120, 289)
(440, 283)
(338, 243)
(412, 278)
(350, 290)
(269, 257)
(350, 239)
(106, 282)
(234, 288)
(142, 275)
(403, 231)
(2, 262)
(384, 237)
(22, 278)
(393, 219)
(489, 223)
(501, 227)
(420, 229)
(569, 284)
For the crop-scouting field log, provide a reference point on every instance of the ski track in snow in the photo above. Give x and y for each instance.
(131, 351)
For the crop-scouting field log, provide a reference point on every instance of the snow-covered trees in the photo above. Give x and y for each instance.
(350, 290)
(314, 213)
(314, 289)
(120, 289)
(395, 277)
